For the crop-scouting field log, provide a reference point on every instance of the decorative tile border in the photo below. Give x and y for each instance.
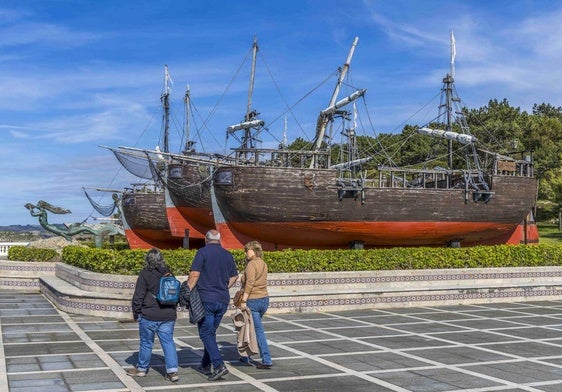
(413, 278)
(294, 292)
(91, 283)
(413, 298)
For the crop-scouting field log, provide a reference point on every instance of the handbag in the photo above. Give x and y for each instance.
(237, 300)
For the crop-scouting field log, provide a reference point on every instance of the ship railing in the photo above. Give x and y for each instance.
(282, 157)
(510, 166)
(390, 177)
(521, 168)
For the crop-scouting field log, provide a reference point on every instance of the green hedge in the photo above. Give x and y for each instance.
(130, 262)
(23, 253)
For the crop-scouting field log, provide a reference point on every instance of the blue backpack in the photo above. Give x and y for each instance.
(168, 291)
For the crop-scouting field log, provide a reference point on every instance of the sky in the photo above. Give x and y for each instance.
(77, 75)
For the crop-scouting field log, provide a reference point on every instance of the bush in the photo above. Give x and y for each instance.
(23, 253)
(130, 262)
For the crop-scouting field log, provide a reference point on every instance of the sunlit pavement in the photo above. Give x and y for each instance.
(493, 347)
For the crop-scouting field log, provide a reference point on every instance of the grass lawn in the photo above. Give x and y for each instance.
(549, 234)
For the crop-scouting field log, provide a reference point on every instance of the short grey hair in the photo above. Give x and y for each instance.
(213, 235)
(154, 259)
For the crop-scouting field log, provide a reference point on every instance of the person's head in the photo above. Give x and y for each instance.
(213, 236)
(254, 246)
(154, 259)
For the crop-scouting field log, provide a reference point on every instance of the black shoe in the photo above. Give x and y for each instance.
(245, 360)
(206, 370)
(263, 366)
(218, 373)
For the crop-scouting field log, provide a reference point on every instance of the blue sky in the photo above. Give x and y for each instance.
(75, 75)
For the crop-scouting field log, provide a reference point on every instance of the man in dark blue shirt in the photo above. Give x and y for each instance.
(213, 271)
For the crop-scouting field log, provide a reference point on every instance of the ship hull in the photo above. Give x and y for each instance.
(179, 225)
(145, 221)
(188, 186)
(302, 208)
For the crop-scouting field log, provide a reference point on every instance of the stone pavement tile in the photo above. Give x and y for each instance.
(11, 350)
(179, 330)
(85, 380)
(362, 332)
(58, 362)
(25, 305)
(428, 327)
(387, 319)
(375, 361)
(114, 334)
(538, 333)
(485, 323)
(123, 345)
(8, 296)
(24, 312)
(55, 318)
(336, 322)
(493, 313)
(555, 361)
(290, 368)
(406, 341)
(330, 346)
(292, 336)
(556, 387)
(274, 326)
(529, 349)
(520, 372)
(37, 337)
(443, 316)
(555, 311)
(331, 383)
(413, 311)
(190, 341)
(544, 304)
(230, 354)
(475, 337)
(434, 380)
(39, 327)
(303, 316)
(101, 325)
(536, 320)
(458, 355)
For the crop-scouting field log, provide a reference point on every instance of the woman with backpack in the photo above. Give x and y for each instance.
(153, 317)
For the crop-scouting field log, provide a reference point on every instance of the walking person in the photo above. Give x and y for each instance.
(213, 271)
(256, 298)
(154, 318)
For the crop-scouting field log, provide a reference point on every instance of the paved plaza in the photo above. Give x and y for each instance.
(487, 347)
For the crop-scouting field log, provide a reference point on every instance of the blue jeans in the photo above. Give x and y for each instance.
(165, 332)
(208, 333)
(258, 307)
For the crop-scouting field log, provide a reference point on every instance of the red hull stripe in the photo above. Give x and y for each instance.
(178, 224)
(338, 234)
(146, 239)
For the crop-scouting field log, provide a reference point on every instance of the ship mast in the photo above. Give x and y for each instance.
(448, 90)
(323, 118)
(251, 120)
(165, 99)
(252, 77)
(187, 102)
